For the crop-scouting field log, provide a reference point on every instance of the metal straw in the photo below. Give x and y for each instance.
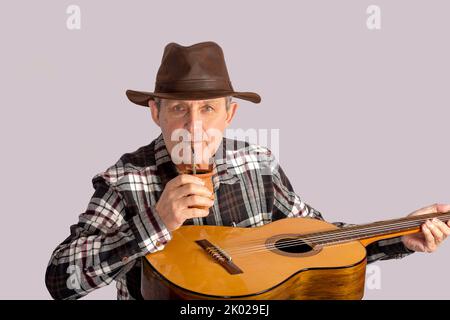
(194, 171)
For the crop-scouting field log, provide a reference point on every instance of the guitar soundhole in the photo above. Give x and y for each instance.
(292, 245)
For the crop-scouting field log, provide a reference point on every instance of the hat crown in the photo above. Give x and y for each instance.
(191, 72)
(201, 62)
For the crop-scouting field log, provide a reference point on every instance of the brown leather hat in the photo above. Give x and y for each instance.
(191, 73)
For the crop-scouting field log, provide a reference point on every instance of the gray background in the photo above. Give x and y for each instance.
(363, 115)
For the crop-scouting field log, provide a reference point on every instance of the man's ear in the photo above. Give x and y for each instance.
(154, 111)
(231, 112)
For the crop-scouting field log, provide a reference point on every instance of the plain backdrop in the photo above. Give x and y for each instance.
(363, 115)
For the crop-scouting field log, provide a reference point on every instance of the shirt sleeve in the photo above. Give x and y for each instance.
(103, 245)
(288, 204)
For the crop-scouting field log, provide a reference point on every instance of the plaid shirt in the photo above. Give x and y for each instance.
(121, 224)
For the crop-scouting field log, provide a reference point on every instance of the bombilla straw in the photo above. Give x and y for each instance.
(194, 171)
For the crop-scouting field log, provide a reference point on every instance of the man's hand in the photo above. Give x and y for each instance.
(181, 193)
(433, 231)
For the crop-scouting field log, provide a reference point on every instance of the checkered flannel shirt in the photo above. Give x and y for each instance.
(121, 224)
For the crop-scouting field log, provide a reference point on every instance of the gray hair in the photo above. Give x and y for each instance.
(227, 102)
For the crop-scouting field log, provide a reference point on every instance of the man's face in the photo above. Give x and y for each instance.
(189, 125)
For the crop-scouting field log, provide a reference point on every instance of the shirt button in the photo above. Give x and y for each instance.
(158, 244)
(124, 259)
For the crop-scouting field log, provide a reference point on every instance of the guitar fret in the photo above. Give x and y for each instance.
(372, 229)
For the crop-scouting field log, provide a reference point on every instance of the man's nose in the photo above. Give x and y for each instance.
(194, 125)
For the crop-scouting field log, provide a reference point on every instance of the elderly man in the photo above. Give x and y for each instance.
(140, 200)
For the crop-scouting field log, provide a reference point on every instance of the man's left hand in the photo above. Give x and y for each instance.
(433, 232)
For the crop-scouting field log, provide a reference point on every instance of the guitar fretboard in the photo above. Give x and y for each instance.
(373, 229)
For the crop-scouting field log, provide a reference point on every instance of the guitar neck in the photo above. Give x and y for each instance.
(371, 232)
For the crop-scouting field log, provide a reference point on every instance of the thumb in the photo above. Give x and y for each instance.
(429, 209)
(441, 208)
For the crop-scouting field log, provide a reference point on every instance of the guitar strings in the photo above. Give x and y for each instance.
(337, 235)
(388, 223)
(268, 247)
(297, 241)
(271, 246)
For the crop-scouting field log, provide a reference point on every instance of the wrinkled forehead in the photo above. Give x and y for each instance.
(194, 102)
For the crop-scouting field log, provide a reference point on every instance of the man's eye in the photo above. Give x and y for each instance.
(178, 108)
(208, 108)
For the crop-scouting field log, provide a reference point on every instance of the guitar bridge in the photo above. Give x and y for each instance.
(220, 256)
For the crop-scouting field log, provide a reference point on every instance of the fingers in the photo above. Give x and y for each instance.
(195, 213)
(430, 244)
(195, 201)
(183, 179)
(184, 214)
(191, 189)
(188, 213)
(444, 230)
(443, 227)
(435, 231)
(181, 193)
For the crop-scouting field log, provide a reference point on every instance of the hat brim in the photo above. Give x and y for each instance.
(142, 97)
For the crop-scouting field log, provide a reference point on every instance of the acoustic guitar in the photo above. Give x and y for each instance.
(292, 258)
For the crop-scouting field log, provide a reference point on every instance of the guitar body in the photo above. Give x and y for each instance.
(267, 269)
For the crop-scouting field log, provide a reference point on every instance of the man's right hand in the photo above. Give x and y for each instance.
(180, 194)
